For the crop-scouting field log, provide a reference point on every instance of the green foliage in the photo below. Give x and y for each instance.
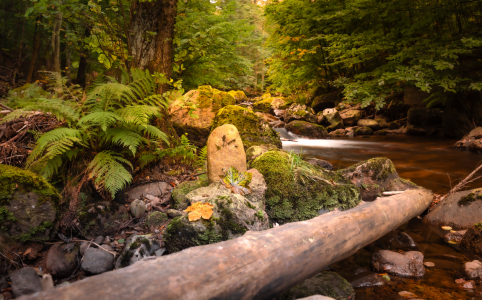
(237, 181)
(373, 49)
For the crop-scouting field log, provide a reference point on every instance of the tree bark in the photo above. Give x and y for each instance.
(36, 46)
(153, 52)
(81, 72)
(56, 41)
(258, 265)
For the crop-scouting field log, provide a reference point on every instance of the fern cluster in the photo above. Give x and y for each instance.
(103, 131)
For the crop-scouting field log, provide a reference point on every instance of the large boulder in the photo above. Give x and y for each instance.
(267, 105)
(373, 124)
(351, 116)
(232, 216)
(338, 133)
(102, 218)
(375, 176)
(299, 112)
(328, 117)
(225, 150)
(197, 124)
(297, 190)
(28, 205)
(459, 210)
(252, 129)
(239, 96)
(326, 101)
(408, 264)
(306, 129)
(424, 121)
(325, 283)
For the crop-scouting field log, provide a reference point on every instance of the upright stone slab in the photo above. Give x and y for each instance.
(225, 150)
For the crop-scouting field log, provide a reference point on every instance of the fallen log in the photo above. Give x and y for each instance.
(258, 265)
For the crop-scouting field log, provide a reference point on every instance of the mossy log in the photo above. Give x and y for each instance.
(258, 265)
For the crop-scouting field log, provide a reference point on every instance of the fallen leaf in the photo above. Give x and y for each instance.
(172, 183)
(199, 210)
(407, 295)
(452, 242)
(429, 264)
(459, 281)
(446, 228)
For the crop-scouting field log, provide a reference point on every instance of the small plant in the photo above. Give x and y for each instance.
(237, 181)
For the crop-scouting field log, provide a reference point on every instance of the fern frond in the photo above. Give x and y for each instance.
(124, 137)
(104, 119)
(16, 114)
(51, 167)
(55, 142)
(155, 100)
(107, 95)
(109, 172)
(154, 133)
(138, 114)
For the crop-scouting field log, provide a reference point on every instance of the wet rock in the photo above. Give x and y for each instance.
(224, 150)
(321, 163)
(363, 131)
(3, 283)
(25, 282)
(137, 248)
(403, 240)
(233, 215)
(138, 208)
(156, 189)
(351, 116)
(476, 146)
(97, 261)
(335, 126)
(173, 213)
(470, 138)
(307, 129)
(155, 219)
(338, 133)
(363, 278)
(326, 283)
(253, 130)
(101, 218)
(460, 210)
(373, 124)
(472, 240)
(455, 237)
(424, 121)
(258, 189)
(472, 269)
(325, 101)
(181, 190)
(209, 101)
(374, 176)
(408, 264)
(62, 260)
(239, 96)
(469, 285)
(28, 204)
(429, 264)
(299, 112)
(330, 117)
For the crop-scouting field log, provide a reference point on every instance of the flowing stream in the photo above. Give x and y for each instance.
(429, 162)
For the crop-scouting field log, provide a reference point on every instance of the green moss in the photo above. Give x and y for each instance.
(30, 236)
(239, 96)
(248, 204)
(467, 200)
(180, 191)
(291, 198)
(250, 127)
(6, 215)
(260, 214)
(155, 219)
(226, 220)
(134, 245)
(126, 258)
(263, 105)
(478, 225)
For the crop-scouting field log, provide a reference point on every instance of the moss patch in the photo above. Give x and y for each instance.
(180, 191)
(292, 197)
(263, 105)
(251, 128)
(467, 200)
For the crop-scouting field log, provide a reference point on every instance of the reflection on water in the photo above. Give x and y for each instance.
(427, 161)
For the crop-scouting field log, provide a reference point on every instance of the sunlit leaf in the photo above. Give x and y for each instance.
(237, 181)
(199, 210)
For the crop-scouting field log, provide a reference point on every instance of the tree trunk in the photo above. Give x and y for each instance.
(81, 72)
(56, 41)
(36, 46)
(258, 265)
(149, 51)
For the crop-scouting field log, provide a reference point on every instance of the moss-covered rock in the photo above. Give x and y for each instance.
(292, 196)
(375, 176)
(263, 105)
(326, 101)
(239, 96)
(335, 126)
(233, 215)
(326, 283)
(180, 191)
(299, 112)
(197, 122)
(28, 205)
(101, 218)
(306, 129)
(351, 116)
(155, 219)
(363, 131)
(252, 129)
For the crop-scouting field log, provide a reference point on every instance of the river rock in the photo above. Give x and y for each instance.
(225, 150)
(97, 261)
(179, 193)
(321, 163)
(62, 260)
(209, 101)
(307, 129)
(138, 208)
(25, 282)
(363, 131)
(424, 121)
(299, 112)
(239, 96)
(468, 139)
(472, 240)
(137, 248)
(101, 218)
(233, 215)
(472, 270)
(330, 116)
(375, 176)
(325, 101)
(373, 124)
(156, 189)
(455, 237)
(326, 283)
(28, 204)
(254, 131)
(408, 264)
(351, 116)
(460, 210)
(338, 133)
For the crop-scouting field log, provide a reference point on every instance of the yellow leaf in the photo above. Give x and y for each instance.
(446, 228)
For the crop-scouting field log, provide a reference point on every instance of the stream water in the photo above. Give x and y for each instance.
(429, 162)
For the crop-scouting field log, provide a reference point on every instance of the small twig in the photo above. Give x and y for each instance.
(6, 107)
(11, 261)
(463, 183)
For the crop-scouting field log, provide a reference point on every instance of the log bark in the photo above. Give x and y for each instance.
(258, 265)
